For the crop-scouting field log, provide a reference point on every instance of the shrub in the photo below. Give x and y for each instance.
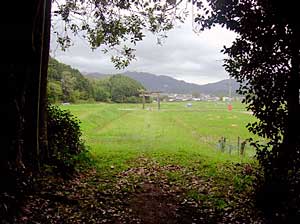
(64, 139)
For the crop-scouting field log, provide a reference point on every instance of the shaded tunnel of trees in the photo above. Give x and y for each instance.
(25, 41)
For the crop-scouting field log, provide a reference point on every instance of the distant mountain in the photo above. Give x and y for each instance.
(96, 75)
(221, 88)
(170, 85)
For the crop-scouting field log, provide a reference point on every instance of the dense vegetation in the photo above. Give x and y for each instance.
(65, 146)
(66, 84)
(64, 139)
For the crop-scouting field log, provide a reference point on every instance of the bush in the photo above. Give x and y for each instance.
(133, 99)
(278, 190)
(64, 139)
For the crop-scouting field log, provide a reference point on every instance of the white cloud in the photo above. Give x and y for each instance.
(184, 55)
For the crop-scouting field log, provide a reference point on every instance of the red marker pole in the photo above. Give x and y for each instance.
(229, 107)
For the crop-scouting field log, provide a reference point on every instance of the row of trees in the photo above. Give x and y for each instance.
(66, 84)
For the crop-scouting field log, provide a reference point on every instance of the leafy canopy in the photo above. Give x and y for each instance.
(259, 58)
(115, 25)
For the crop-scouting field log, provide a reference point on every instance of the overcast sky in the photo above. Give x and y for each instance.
(184, 55)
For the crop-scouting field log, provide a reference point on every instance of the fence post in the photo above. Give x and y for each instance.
(223, 144)
(238, 145)
(243, 146)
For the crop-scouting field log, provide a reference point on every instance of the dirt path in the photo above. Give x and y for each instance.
(147, 193)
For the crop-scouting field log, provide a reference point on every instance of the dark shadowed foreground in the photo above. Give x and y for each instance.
(146, 193)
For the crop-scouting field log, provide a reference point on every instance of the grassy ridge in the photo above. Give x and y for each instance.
(118, 133)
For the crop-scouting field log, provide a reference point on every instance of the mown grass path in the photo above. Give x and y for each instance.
(119, 132)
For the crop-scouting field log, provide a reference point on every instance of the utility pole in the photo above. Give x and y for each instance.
(229, 95)
(143, 98)
(229, 88)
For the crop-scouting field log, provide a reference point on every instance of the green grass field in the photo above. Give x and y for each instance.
(120, 133)
(150, 164)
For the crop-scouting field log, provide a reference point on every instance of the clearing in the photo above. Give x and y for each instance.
(155, 167)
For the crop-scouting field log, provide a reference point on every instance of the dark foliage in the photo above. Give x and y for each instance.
(22, 78)
(64, 139)
(115, 25)
(15, 185)
(115, 31)
(264, 58)
(66, 152)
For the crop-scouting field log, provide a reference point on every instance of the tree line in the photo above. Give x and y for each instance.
(66, 84)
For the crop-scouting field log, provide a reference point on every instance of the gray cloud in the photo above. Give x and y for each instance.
(184, 55)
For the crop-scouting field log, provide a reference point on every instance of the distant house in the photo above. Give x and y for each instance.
(226, 98)
(196, 99)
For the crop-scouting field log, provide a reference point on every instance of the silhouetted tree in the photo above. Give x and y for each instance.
(25, 46)
(115, 25)
(265, 59)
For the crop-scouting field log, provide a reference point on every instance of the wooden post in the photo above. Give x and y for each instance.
(243, 146)
(223, 144)
(238, 145)
(158, 101)
(143, 100)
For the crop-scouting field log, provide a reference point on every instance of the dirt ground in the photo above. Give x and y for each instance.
(143, 194)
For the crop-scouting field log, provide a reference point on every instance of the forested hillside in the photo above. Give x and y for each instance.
(66, 84)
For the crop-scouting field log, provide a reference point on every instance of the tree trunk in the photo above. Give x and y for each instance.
(43, 85)
(24, 47)
(293, 120)
(36, 95)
